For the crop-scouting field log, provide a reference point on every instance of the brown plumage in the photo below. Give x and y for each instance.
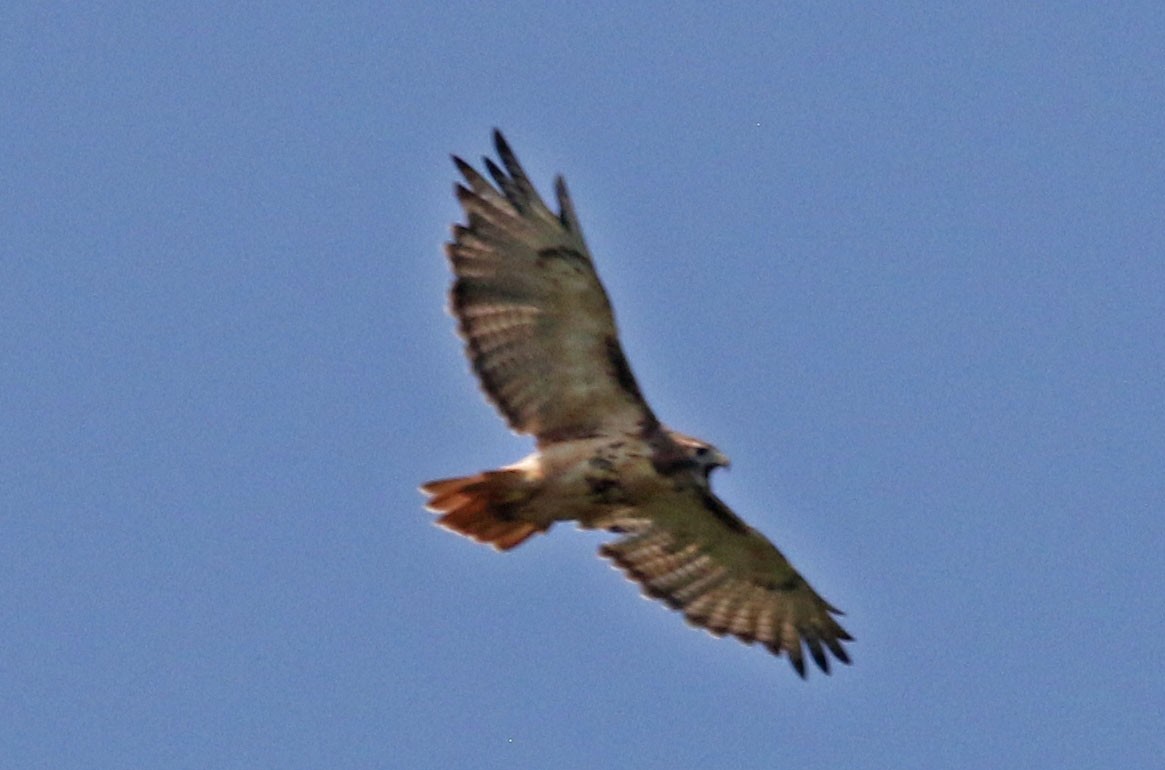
(541, 337)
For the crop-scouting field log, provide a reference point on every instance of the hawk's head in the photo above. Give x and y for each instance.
(706, 457)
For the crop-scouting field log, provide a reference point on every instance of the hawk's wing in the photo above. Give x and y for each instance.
(690, 551)
(537, 324)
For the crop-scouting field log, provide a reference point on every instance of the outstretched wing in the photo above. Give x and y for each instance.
(537, 324)
(690, 551)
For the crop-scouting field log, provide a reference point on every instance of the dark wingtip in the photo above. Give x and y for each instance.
(498, 175)
(500, 143)
(462, 193)
(818, 653)
(565, 206)
(509, 160)
(838, 651)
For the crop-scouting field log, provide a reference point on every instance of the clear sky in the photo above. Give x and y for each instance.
(905, 265)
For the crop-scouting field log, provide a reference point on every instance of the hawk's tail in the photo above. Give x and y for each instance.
(483, 507)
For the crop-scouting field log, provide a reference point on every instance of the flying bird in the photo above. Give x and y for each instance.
(541, 337)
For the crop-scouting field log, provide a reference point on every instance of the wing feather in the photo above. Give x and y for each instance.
(537, 323)
(691, 552)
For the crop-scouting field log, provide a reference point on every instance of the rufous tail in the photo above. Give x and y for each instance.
(483, 507)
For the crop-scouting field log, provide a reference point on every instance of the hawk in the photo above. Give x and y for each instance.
(540, 334)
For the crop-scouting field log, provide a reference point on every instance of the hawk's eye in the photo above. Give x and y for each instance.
(701, 451)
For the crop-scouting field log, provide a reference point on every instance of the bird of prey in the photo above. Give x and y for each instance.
(540, 335)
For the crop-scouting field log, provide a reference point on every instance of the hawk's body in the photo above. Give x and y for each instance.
(541, 335)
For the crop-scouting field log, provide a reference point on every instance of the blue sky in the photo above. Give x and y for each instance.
(904, 264)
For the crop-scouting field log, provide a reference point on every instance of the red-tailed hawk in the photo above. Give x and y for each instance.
(540, 333)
